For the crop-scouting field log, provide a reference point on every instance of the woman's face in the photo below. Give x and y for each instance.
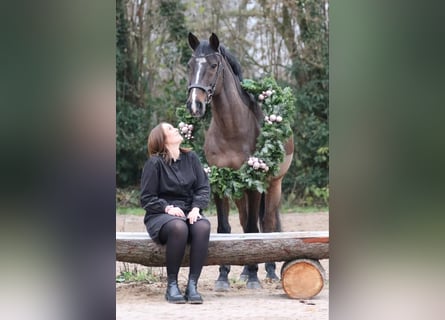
(172, 135)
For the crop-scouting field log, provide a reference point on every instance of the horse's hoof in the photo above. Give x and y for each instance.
(222, 286)
(243, 277)
(272, 278)
(253, 285)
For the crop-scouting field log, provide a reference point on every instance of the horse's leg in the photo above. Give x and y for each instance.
(271, 221)
(248, 208)
(243, 210)
(222, 210)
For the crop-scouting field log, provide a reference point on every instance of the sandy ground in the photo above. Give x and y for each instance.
(145, 300)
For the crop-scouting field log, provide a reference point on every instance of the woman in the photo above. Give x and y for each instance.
(174, 191)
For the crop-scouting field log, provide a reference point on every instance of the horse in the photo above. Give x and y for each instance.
(214, 78)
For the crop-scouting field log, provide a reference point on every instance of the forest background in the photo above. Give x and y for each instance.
(284, 39)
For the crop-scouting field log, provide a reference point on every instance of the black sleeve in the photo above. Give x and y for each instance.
(201, 187)
(150, 180)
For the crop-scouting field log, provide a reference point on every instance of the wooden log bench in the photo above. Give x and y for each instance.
(302, 276)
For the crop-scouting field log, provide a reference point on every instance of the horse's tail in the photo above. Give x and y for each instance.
(262, 209)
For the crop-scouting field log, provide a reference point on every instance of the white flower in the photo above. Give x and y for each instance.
(261, 97)
(273, 117)
(279, 118)
(184, 129)
(181, 124)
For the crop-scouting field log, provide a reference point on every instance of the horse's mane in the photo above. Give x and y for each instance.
(233, 62)
(237, 71)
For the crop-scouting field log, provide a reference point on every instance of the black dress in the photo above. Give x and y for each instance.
(183, 183)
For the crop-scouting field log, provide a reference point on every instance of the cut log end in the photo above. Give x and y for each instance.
(302, 278)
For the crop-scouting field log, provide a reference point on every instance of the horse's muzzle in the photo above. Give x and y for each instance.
(196, 108)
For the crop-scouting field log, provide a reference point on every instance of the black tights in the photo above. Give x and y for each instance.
(175, 234)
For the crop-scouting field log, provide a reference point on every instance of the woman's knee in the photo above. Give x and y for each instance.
(175, 227)
(201, 226)
(179, 226)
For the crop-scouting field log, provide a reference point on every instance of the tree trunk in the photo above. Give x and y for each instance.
(231, 249)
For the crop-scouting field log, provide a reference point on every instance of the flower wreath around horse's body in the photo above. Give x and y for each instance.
(278, 106)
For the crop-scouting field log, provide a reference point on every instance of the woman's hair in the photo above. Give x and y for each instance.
(156, 143)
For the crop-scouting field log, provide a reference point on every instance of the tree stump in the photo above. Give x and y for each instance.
(302, 278)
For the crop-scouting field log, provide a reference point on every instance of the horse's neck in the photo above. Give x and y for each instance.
(231, 137)
(234, 128)
(225, 118)
(230, 114)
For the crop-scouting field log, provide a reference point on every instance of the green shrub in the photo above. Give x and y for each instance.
(131, 143)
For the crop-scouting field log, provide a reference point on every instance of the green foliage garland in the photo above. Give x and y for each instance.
(278, 106)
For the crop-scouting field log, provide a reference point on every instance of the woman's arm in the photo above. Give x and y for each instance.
(150, 180)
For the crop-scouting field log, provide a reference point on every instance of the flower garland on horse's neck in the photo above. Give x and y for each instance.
(278, 106)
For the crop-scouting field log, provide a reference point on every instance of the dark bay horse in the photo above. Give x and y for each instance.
(214, 77)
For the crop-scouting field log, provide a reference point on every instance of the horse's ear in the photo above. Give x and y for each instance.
(193, 41)
(214, 42)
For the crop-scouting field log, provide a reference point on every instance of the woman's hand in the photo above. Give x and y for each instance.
(174, 211)
(194, 215)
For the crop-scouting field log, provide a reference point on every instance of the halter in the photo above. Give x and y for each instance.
(210, 89)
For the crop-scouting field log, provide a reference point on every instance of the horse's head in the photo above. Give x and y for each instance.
(204, 70)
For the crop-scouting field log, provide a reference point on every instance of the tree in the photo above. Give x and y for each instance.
(131, 116)
(151, 52)
(303, 26)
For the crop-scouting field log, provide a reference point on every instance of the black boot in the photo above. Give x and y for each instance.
(173, 295)
(191, 293)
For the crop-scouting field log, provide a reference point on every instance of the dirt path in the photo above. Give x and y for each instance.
(146, 300)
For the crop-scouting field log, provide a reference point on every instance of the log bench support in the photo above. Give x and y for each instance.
(302, 275)
(302, 278)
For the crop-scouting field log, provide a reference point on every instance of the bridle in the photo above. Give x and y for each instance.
(210, 89)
